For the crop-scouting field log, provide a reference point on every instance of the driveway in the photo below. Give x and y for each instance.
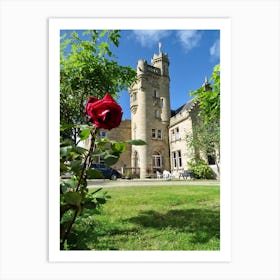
(149, 182)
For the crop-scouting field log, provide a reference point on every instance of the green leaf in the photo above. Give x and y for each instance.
(65, 151)
(68, 184)
(118, 147)
(79, 150)
(89, 205)
(103, 45)
(63, 167)
(94, 174)
(101, 200)
(102, 33)
(83, 126)
(76, 166)
(111, 159)
(97, 154)
(64, 127)
(136, 142)
(73, 198)
(101, 142)
(84, 134)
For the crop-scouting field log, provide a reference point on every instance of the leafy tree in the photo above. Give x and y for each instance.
(208, 97)
(205, 139)
(88, 68)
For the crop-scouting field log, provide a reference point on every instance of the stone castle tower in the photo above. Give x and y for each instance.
(150, 115)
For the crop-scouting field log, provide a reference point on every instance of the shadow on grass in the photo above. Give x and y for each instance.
(202, 224)
(84, 238)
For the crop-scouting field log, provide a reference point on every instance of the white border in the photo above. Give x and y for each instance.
(222, 24)
(255, 140)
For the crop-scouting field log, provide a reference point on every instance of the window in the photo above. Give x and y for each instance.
(134, 96)
(155, 93)
(211, 159)
(174, 159)
(172, 135)
(179, 158)
(157, 134)
(177, 133)
(103, 134)
(157, 160)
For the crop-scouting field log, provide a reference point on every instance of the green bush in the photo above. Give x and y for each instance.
(200, 169)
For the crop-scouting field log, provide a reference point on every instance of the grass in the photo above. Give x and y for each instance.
(153, 218)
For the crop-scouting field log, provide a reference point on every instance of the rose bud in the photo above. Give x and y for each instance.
(104, 113)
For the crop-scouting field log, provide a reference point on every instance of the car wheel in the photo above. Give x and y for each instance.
(113, 177)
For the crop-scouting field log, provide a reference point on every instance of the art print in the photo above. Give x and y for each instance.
(140, 129)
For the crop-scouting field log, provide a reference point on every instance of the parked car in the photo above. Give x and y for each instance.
(108, 172)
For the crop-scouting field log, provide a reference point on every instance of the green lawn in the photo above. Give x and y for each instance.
(153, 218)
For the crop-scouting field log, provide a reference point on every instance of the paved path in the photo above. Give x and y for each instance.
(149, 182)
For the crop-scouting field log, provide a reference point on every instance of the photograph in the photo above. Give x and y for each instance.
(140, 140)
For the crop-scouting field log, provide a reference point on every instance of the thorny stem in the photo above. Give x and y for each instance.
(69, 228)
(67, 231)
(92, 142)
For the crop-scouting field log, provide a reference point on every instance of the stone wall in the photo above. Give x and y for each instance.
(181, 125)
(122, 133)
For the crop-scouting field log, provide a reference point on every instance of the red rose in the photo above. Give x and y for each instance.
(104, 113)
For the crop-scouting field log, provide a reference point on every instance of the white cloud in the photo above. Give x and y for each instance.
(215, 49)
(189, 38)
(149, 38)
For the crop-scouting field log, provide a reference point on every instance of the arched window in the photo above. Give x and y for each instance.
(155, 93)
(157, 160)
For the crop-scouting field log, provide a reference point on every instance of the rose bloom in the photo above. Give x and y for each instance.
(104, 113)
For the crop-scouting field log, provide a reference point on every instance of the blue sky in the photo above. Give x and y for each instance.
(192, 55)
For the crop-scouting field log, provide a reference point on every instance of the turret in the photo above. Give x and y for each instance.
(206, 85)
(161, 61)
(150, 115)
(141, 67)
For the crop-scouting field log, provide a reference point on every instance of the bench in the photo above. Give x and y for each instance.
(185, 174)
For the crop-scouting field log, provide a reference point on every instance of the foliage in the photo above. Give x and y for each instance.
(209, 99)
(205, 139)
(200, 169)
(87, 68)
(152, 218)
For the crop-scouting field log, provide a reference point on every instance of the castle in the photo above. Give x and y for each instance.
(152, 120)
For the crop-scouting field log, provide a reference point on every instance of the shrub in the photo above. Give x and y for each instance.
(200, 169)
